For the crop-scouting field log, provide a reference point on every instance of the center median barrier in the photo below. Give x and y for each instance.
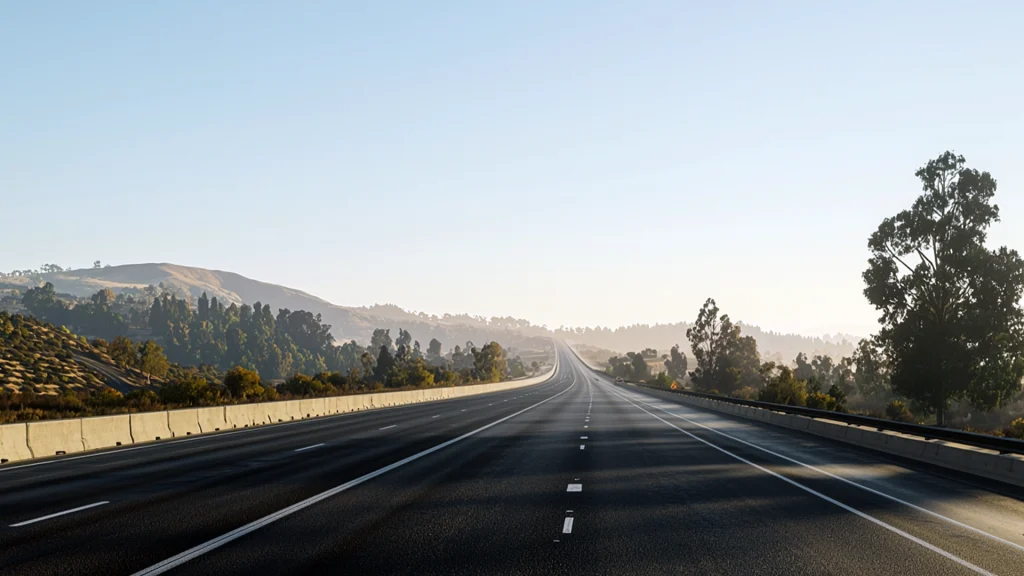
(285, 411)
(106, 431)
(53, 437)
(25, 441)
(312, 407)
(150, 426)
(242, 415)
(183, 422)
(211, 419)
(14, 443)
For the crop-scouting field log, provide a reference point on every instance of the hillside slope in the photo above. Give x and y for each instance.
(358, 323)
(347, 323)
(40, 358)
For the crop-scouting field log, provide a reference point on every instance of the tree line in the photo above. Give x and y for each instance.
(951, 323)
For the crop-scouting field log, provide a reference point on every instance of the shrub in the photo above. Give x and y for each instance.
(897, 410)
(785, 389)
(1015, 429)
(820, 401)
(746, 393)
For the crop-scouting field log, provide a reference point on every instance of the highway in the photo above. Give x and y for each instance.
(576, 475)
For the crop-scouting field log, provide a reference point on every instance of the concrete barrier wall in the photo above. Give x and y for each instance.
(149, 426)
(275, 412)
(241, 415)
(51, 437)
(183, 422)
(106, 431)
(14, 443)
(47, 438)
(312, 407)
(1007, 468)
(211, 419)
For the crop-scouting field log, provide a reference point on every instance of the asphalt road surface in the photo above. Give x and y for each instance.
(573, 476)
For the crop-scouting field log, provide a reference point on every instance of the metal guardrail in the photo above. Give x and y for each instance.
(997, 443)
(987, 441)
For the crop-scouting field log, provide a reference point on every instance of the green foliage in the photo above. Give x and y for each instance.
(784, 388)
(123, 352)
(661, 380)
(820, 401)
(872, 375)
(152, 361)
(746, 393)
(434, 356)
(489, 363)
(632, 366)
(726, 360)
(189, 391)
(516, 369)
(897, 410)
(1015, 429)
(675, 365)
(952, 327)
(243, 384)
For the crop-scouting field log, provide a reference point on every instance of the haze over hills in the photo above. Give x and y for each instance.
(358, 323)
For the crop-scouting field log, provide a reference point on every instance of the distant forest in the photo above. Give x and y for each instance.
(774, 346)
(253, 337)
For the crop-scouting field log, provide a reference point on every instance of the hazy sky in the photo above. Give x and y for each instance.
(568, 162)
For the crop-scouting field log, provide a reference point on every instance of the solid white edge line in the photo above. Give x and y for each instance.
(196, 551)
(889, 497)
(814, 492)
(309, 447)
(48, 516)
(567, 525)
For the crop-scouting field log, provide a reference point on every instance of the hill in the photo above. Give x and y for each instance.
(358, 323)
(43, 359)
(347, 323)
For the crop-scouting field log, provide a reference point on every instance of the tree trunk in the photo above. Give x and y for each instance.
(940, 414)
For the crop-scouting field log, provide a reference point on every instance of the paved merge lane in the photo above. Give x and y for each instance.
(576, 476)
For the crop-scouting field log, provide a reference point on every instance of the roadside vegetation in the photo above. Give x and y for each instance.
(45, 370)
(950, 349)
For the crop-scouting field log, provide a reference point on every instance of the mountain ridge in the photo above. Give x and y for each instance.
(358, 323)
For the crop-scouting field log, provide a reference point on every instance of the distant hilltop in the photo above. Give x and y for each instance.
(358, 323)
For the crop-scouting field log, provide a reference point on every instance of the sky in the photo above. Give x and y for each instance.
(569, 162)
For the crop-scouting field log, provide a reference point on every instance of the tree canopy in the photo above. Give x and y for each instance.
(951, 324)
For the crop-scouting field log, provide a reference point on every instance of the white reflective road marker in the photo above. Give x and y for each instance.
(567, 526)
(386, 427)
(48, 516)
(309, 447)
(582, 446)
(574, 488)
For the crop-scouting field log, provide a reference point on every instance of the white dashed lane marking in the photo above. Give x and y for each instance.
(48, 516)
(309, 447)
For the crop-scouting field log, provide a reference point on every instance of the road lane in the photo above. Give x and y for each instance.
(172, 497)
(575, 476)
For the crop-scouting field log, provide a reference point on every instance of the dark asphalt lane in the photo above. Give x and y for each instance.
(579, 477)
(173, 495)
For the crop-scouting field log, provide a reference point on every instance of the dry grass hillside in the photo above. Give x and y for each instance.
(40, 358)
(347, 323)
